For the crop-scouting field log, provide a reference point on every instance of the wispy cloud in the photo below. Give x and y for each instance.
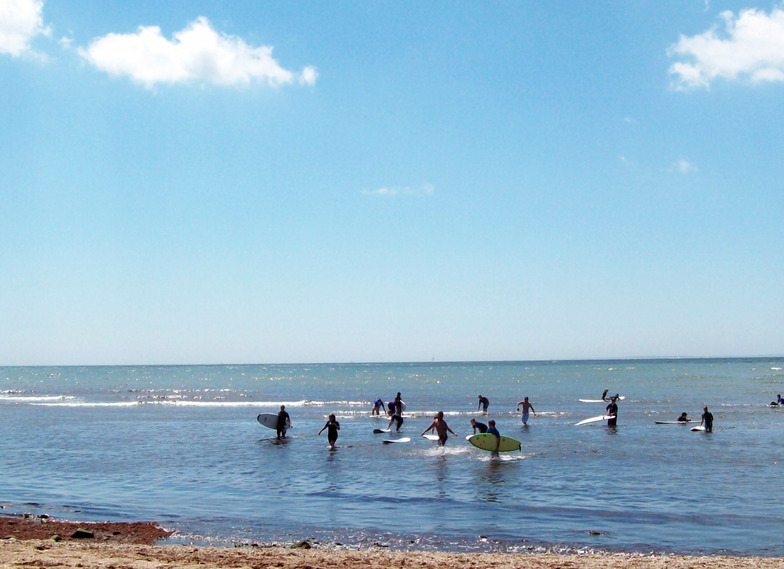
(683, 167)
(751, 46)
(197, 54)
(21, 21)
(390, 191)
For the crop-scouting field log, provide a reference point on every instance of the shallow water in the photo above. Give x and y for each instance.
(180, 445)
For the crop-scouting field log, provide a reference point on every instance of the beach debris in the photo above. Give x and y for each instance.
(82, 533)
(304, 544)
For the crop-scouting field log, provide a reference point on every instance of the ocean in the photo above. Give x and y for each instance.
(180, 445)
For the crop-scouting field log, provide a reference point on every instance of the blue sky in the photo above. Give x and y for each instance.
(252, 182)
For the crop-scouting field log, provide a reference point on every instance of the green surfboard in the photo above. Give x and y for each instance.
(486, 441)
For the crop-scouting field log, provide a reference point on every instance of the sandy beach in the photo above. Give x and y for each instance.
(43, 542)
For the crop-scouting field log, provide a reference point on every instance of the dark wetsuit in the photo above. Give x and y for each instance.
(484, 402)
(612, 409)
(332, 431)
(481, 427)
(283, 421)
(707, 420)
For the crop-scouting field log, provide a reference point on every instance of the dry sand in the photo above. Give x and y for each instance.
(120, 546)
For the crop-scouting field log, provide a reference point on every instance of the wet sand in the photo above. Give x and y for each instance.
(42, 542)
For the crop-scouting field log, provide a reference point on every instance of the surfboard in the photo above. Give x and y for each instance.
(621, 398)
(486, 441)
(431, 437)
(379, 431)
(698, 428)
(593, 420)
(403, 440)
(672, 422)
(270, 420)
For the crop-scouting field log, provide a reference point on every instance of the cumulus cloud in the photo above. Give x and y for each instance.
(750, 46)
(20, 22)
(389, 191)
(196, 54)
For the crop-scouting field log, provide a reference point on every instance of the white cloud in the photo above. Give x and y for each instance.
(20, 22)
(387, 191)
(196, 54)
(752, 47)
(683, 167)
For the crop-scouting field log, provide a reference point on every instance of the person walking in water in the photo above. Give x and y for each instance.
(484, 402)
(491, 430)
(440, 426)
(526, 408)
(332, 427)
(284, 423)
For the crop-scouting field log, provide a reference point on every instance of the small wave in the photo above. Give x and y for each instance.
(34, 398)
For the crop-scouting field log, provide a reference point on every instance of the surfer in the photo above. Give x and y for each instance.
(484, 402)
(779, 400)
(395, 418)
(378, 404)
(707, 419)
(284, 422)
(399, 404)
(493, 431)
(612, 412)
(477, 426)
(683, 418)
(332, 427)
(440, 427)
(604, 394)
(526, 407)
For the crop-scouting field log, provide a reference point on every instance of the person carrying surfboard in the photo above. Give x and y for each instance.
(440, 427)
(491, 430)
(284, 422)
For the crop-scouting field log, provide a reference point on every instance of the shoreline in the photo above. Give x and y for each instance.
(43, 541)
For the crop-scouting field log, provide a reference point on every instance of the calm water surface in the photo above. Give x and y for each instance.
(180, 445)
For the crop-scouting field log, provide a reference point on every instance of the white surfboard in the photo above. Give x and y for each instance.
(403, 440)
(379, 431)
(270, 420)
(698, 428)
(431, 437)
(673, 422)
(620, 398)
(594, 419)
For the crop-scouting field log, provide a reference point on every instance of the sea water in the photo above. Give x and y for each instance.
(180, 445)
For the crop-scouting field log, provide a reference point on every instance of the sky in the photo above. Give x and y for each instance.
(245, 181)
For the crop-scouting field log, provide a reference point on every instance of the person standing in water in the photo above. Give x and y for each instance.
(484, 403)
(399, 404)
(707, 419)
(612, 412)
(332, 427)
(526, 407)
(284, 423)
(440, 427)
